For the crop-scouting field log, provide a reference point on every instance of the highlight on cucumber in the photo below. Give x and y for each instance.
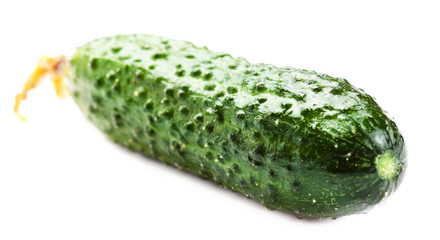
(295, 140)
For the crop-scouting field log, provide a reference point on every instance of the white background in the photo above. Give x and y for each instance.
(60, 178)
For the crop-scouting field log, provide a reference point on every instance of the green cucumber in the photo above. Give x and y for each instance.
(294, 140)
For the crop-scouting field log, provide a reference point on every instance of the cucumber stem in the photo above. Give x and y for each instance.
(52, 66)
(388, 166)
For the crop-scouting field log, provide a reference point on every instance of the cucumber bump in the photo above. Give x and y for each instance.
(305, 143)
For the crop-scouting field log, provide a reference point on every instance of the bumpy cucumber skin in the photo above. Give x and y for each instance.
(294, 140)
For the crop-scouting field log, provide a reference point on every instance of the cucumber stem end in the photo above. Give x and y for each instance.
(388, 166)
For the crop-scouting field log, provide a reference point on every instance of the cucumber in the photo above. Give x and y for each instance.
(295, 140)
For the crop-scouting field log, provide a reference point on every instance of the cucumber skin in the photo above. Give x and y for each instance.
(294, 140)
